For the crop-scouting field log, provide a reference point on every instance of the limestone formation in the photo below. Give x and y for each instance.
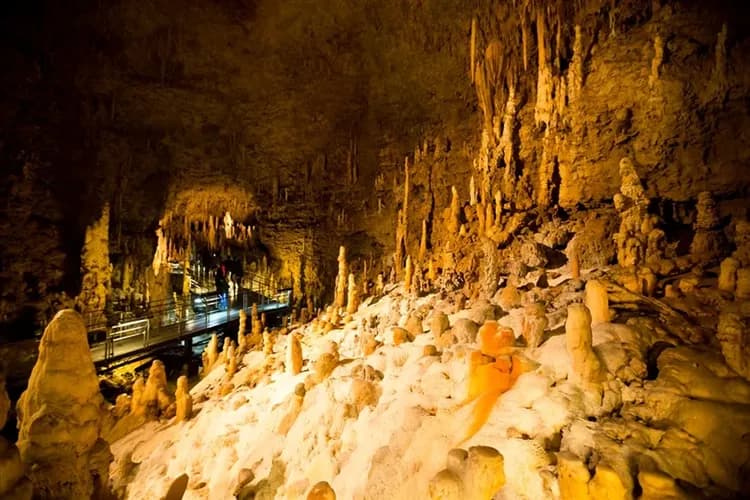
(495, 340)
(230, 361)
(362, 393)
(438, 323)
(341, 280)
(183, 400)
(585, 364)
(742, 290)
(321, 491)
(13, 481)
(632, 204)
(151, 398)
(210, 355)
(742, 242)
(400, 335)
(597, 301)
(728, 274)
(408, 275)
(352, 302)
(708, 241)
(241, 338)
(478, 474)
(268, 343)
(454, 212)
(60, 415)
(367, 343)
(293, 408)
(533, 324)
(293, 354)
(323, 366)
(95, 269)
(573, 477)
(735, 342)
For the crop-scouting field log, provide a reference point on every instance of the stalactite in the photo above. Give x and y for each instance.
(656, 62)
(484, 94)
(575, 72)
(498, 206)
(543, 108)
(472, 192)
(408, 274)
(402, 222)
(506, 142)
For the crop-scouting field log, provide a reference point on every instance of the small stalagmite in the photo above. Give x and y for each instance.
(13, 481)
(477, 475)
(293, 354)
(241, 339)
(742, 290)
(211, 354)
(60, 415)
(533, 324)
(183, 399)
(597, 301)
(454, 219)
(586, 365)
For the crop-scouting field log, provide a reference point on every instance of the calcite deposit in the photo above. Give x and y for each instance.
(60, 416)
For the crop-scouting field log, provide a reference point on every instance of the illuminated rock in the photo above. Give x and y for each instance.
(241, 338)
(728, 274)
(656, 485)
(585, 364)
(708, 241)
(210, 355)
(509, 297)
(323, 366)
(414, 325)
(446, 485)
(742, 290)
(13, 481)
(96, 268)
(400, 335)
(484, 473)
(465, 330)
(60, 415)
(183, 399)
(352, 301)
(362, 393)
(597, 301)
(341, 280)
(293, 354)
(268, 343)
(150, 398)
(735, 344)
(495, 340)
(321, 491)
(408, 275)
(367, 343)
(478, 474)
(533, 324)
(607, 484)
(742, 242)
(573, 477)
(292, 411)
(230, 361)
(438, 323)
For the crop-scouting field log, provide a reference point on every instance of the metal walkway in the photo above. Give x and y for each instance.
(165, 324)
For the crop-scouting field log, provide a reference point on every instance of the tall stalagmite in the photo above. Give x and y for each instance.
(60, 415)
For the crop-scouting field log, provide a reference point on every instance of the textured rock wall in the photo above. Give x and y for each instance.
(296, 119)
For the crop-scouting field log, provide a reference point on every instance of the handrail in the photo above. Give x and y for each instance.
(176, 317)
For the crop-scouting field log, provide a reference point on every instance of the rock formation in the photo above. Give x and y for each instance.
(13, 481)
(60, 416)
(183, 400)
(534, 323)
(352, 301)
(708, 241)
(293, 355)
(95, 269)
(210, 355)
(321, 491)
(478, 474)
(585, 363)
(341, 280)
(597, 302)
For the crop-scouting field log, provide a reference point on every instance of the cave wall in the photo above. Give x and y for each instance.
(299, 117)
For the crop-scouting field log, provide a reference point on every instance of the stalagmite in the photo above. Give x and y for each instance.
(586, 365)
(241, 338)
(597, 302)
(708, 241)
(423, 242)
(95, 268)
(408, 275)
(728, 274)
(477, 475)
(352, 302)
(293, 355)
(60, 415)
(534, 323)
(210, 354)
(341, 279)
(183, 400)
(155, 397)
(742, 290)
(454, 219)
